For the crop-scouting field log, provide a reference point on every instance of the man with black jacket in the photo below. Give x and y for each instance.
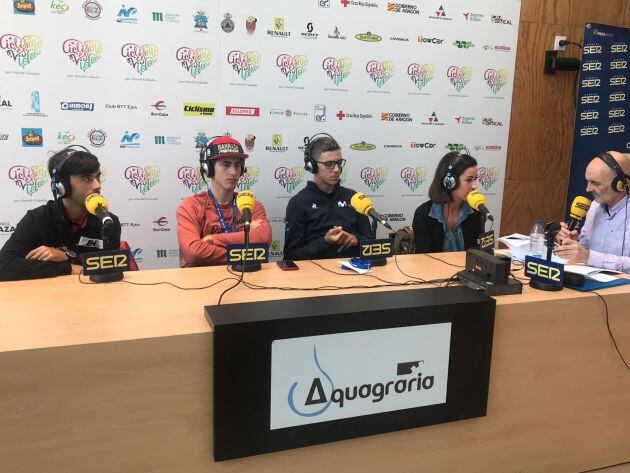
(50, 239)
(320, 222)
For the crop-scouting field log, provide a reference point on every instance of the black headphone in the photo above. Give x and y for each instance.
(450, 182)
(621, 181)
(309, 162)
(206, 166)
(60, 185)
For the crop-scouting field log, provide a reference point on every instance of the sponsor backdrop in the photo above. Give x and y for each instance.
(601, 119)
(145, 84)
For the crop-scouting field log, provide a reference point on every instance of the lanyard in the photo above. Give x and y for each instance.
(224, 225)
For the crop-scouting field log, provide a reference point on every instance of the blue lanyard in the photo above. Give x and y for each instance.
(224, 225)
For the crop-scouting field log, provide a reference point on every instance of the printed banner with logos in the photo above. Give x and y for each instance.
(601, 118)
(144, 85)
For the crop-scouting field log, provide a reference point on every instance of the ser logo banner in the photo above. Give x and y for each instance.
(106, 262)
(375, 249)
(255, 253)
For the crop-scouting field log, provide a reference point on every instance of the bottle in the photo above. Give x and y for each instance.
(537, 240)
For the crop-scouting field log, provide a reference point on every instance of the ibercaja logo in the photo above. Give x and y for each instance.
(413, 177)
(83, 54)
(488, 176)
(141, 58)
(194, 60)
(244, 63)
(290, 179)
(380, 72)
(23, 50)
(421, 74)
(249, 179)
(143, 179)
(337, 69)
(292, 66)
(496, 79)
(30, 180)
(191, 178)
(460, 77)
(374, 177)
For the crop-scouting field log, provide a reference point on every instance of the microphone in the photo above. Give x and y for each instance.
(245, 203)
(478, 202)
(579, 207)
(96, 204)
(363, 205)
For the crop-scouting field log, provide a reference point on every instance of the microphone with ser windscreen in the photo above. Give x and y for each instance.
(363, 205)
(478, 202)
(245, 202)
(578, 211)
(96, 204)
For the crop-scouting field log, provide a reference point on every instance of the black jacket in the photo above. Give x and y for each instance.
(47, 225)
(311, 213)
(429, 232)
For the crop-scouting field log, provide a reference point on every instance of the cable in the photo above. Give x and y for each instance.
(408, 275)
(366, 274)
(564, 42)
(612, 337)
(442, 261)
(161, 282)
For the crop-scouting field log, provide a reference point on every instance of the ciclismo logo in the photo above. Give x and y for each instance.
(292, 67)
(496, 79)
(337, 69)
(23, 50)
(421, 74)
(380, 72)
(83, 54)
(193, 60)
(249, 179)
(459, 76)
(30, 180)
(244, 63)
(374, 177)
(488, 176)
(191, 178)
(143, 179)
(414, 177)
(290, 179)
(141, 58)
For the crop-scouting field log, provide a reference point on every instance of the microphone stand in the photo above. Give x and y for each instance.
(376, 261)
(551, 231)
(111, 277)
(246, 266)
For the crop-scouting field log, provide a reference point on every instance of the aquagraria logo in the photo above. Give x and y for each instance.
(496, 79)
(292, 66)
(460, 77)
(421, 74)
(374, 177)
(191, 178)
(249, 179)
(337, 69)
(413, 177)
(380, 72)
(194, 61)
(143, 179)
(141, 58)
(22, 50)
(83, 54)
(290, 179)
(244, 63)
(488, 176)
(30, 180)
(127, 15)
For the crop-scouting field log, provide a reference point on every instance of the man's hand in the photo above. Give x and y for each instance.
(255, 224)
(333, 235)
(572, 251)
(208, 239)
(76, 269)
(349, 240)
(45, 253)
(565, 234)
(337, 236)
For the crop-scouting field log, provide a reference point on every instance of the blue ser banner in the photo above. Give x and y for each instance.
(601, 119)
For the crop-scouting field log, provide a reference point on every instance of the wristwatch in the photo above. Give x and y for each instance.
(70, 254)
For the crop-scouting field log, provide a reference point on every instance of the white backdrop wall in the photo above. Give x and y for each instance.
(397, 84)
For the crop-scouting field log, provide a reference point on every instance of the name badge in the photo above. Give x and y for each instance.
(91, 243)
(106, 262)
(544, 271)
(375, 249)
(255, 253)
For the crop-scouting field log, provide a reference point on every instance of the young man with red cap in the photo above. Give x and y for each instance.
(209, 221)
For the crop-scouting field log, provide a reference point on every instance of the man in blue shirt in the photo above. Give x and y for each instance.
(604, 241)
(320, 222)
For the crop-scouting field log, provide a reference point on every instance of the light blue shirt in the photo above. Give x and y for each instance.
(453, 239)
(603, 234)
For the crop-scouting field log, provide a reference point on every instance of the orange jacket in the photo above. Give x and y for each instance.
(197, 217)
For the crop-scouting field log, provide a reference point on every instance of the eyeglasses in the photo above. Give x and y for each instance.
(331, 164)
